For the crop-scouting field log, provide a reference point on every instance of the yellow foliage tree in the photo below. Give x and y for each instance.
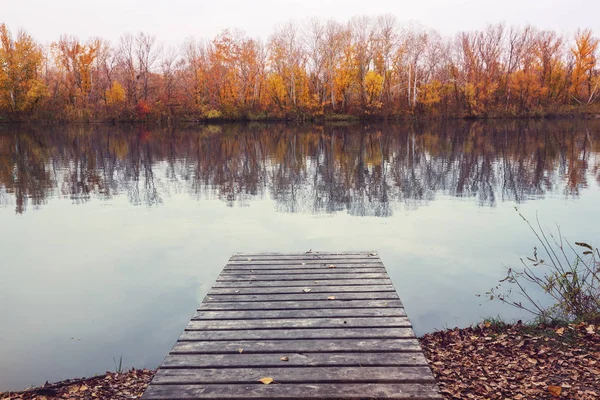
(114, 98)
(373, 86)
(20, 62)
(584, 84)
(115, 95)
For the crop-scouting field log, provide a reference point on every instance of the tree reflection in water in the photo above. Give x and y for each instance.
(360, 169)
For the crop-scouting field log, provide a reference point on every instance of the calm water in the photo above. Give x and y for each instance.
(110, 237)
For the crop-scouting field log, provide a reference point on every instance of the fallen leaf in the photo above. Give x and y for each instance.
(306, 290)
(241, 351)
(266, 380)
(331, 266)
(284, 358)
(560, 331)
(331, 298)
(590, 329)
(249, 259)
(555, 390)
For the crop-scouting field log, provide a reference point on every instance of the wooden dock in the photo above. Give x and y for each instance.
(315, 325)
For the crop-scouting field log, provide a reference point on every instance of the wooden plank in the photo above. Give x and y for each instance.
(298, 305)
(311, 256)
(244, 267)
(272, 277)
(304, 283)
(297, 323)
(305, 296)
(294, 359)
(335, 253)
(412, 391)
(296, 346)
(296, 314)
(318, 261)
(319, 333)
(286, 375)
(299, 289)
(324, 269)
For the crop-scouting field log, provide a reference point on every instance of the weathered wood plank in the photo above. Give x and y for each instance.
(294, 359)
(296, 346)
(298, 305)
(306, 256)
(296, 314)
(317, 261)
(324, 269)
(305, 283)
(297, 323)
(314, 375)
(244, 267)
(293, 277)
(302, 253)
(305, 296)
(412, 391)
(320, 333)
(299, 289)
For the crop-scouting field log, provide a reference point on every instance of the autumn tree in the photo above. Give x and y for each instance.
(21, 88)
(584, 80)
(75, 62)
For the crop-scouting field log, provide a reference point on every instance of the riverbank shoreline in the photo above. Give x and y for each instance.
(584, 113)
(489, 361)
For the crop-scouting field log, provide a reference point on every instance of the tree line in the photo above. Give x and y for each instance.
(362, 170)
(367, 67)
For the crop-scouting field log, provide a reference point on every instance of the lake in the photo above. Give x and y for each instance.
(110, 236)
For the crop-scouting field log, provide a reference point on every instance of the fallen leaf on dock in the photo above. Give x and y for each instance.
(331, 266)
(284, 359)
(249, 259)
(306, 290)
(331, 298)
(241, 351)
(266, 380)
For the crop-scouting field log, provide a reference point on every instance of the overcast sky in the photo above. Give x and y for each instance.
(174, 20)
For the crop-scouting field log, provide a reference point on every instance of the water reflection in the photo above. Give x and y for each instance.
(360, 169)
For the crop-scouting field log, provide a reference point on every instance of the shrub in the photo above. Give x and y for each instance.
(569, 275)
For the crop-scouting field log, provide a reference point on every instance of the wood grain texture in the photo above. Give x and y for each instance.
(294, 391)
(321, 325)
(301, 314)
(299, 374)
(291, 333)
(299, 323)
(300, 289)
(348, 359)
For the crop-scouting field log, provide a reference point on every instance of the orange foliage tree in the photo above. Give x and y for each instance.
(368, 66)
